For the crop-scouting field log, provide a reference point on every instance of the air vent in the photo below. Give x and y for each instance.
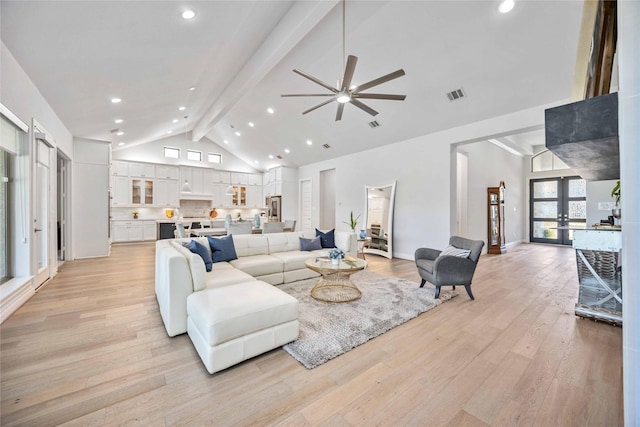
(374, 124)
(279, 157)
(326, 146)
(456, 95)
(114, 130)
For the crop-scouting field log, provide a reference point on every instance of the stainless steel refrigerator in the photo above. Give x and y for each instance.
(274, 211)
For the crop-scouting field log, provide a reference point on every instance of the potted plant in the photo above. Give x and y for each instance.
(135, 214)
(616, 193)
(336, 254)
(353, 222)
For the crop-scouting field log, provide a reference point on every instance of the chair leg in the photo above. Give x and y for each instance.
(422, 283)
(468, 288)
(437, 295)
(454, 287)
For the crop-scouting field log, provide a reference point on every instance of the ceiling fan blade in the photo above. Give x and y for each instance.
(307, 94)
(380, 80)
(313, 79)
(379, 96)
(348, 71)
(339, 112)
(317, 106)
(363, 107)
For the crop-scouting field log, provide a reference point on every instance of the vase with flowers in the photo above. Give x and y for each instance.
(336, 254)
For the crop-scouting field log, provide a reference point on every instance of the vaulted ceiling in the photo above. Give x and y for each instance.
(239, 56)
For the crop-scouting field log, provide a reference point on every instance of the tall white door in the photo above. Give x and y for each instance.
(41, 224)
(328, 199)
(462, 184)
(305, 205)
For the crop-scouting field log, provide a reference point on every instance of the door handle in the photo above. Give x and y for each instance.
(37, 229)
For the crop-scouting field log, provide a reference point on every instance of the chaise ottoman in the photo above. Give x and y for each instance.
(234, 323)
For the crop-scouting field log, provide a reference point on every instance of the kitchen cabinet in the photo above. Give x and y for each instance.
(220, 198)
(133, 231)
(254, 179)
(120, 191)
(221, 177)
(239, 178)
(239, 197)
(141, 191)
(254, 197)
(166, 193)
(142, 170)
(167, 172)
(200, 179)
(119, 168)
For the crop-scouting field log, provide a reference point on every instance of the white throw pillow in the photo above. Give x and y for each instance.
(453, 251)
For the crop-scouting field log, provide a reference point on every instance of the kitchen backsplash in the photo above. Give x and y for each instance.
(189, 209)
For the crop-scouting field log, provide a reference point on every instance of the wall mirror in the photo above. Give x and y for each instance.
(379, 203)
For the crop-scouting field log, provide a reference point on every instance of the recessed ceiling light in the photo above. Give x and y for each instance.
(309, 142)
(251, 124)
(174, 121)
(169, 131)
(188, 14)
(118, 121)
(270, 110)
(115, 100)
(226, 142)
(192, 88)
(286, 150)
(182, 108)
(237, 133)
(256, 162)
(120, 133)
(506, 6)
(121, 144)
(271, 156)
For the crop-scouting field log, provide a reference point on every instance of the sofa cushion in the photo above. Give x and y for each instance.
(196, 265)
(222, 248)
(327, 239)
(251, 244)
(204, 253)
(425, 264)
(223, 314)
(258, 265)
(226, 276)
(310, 244)
(283, 242)
(293, 260)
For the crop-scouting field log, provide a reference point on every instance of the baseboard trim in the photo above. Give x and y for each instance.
(14, 298)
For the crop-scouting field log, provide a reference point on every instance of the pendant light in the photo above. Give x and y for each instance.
(186, 188)
(230, 191)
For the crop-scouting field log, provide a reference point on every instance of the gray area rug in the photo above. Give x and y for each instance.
(328, 330)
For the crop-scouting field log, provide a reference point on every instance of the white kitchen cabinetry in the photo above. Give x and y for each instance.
(126, 231)
(166, 193)
(255, 179)
(142, 191)
(119, 168)
(221, 177)
(167, 172)
(142, 170)
(254, 197)
(133, 231)
(200, 179)
(120, 191)
(239, 178)
(220, 198)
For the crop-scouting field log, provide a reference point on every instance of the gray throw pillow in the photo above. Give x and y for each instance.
(310, 244)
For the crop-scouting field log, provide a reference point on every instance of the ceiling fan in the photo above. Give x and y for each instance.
(345, 93)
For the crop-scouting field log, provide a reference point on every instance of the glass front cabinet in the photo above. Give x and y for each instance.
(495, 217)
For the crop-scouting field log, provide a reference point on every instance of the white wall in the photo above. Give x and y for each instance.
(488, 165)
(153, 152)
(423, 167)
(24, 99)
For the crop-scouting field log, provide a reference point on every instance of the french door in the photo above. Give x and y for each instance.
(557, 207)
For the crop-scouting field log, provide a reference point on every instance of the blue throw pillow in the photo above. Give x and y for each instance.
(199, 249)
(222, 248)
(310, 244)
(327, 239)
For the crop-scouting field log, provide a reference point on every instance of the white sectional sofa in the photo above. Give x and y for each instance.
(235, 312)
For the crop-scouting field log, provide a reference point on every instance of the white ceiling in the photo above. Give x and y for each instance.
(240, 55)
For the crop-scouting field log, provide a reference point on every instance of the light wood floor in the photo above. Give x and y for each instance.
(90, 349)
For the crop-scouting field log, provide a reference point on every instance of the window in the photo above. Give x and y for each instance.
(215, 158)
(546, 161)
(173, 153)
(195, 156)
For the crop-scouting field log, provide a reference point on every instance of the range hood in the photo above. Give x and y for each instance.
(584, 135)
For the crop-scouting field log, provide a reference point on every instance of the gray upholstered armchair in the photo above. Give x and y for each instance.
(449, 270)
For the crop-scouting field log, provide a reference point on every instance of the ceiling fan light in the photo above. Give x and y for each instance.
(343, 97)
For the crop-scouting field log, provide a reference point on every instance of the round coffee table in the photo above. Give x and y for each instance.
(335, 284)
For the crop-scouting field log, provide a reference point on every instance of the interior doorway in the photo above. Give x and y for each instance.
(41, 221)
(462, 192)
(557, 206)
(63, 207)
(306, 199)
(328, 199)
